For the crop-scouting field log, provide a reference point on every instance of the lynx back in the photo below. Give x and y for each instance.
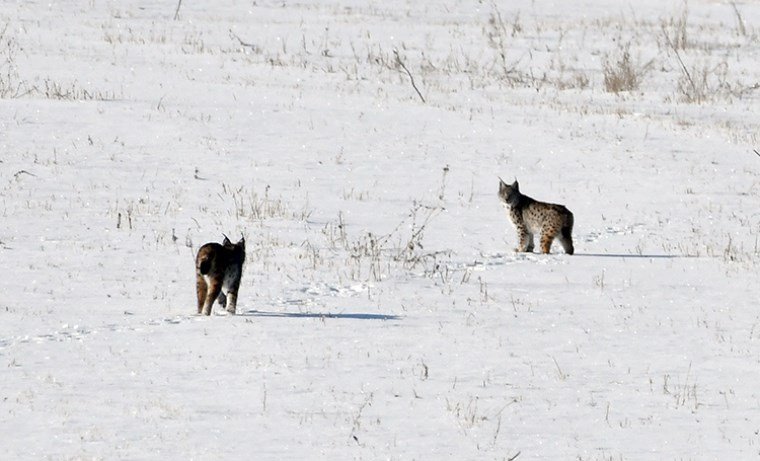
(218, 270)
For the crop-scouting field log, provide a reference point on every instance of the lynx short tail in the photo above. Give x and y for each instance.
(204, 265)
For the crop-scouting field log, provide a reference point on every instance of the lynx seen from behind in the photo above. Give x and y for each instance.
(218, 272)
(531, 217)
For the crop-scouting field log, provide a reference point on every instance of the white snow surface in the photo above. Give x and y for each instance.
(383, 313)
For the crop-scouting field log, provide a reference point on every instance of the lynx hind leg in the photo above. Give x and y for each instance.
(231, 302)
(547, 237)
(222, 299)
(201, 289)
(566, 239)
(214, 289)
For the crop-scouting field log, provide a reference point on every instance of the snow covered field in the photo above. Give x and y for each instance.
(383, 312)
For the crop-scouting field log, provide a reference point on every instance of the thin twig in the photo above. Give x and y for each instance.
(755, 151)
(20, 172)
(252, 46)
(562, 375)
(742, 29)
(746, 90)
(176, 13)
(513, 458)
(680, 61)
(401, 63)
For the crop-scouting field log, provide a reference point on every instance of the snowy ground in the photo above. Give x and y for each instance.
(383, 313)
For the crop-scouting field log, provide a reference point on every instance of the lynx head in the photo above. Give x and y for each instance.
(237, 249)
(509, 194)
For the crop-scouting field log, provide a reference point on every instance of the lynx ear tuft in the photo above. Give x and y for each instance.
(226, 241)
(515, 185)
(242, 240)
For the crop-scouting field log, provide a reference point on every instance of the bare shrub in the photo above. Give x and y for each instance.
(250, 205)
(624, 74)
(703, 83)
(699, 83)
(577, 80)
(73, 92)
(498, 32)
(11, 86)
(674, 31)
(372, 256)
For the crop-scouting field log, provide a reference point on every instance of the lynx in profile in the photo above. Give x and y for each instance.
(218, 272)
(531, 216)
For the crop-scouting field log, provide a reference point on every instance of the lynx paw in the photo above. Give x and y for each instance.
(222, 299)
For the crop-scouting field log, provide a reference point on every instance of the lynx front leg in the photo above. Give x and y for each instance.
(529, 248)
(214, 288)
(526, 240)
(201, 288)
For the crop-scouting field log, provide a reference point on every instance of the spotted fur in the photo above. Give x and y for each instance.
(532, 217)
(219, 269)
